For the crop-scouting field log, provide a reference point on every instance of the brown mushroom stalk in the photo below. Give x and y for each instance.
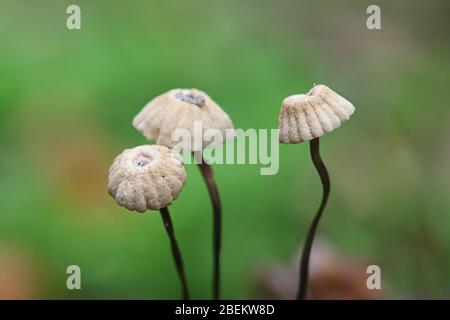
(213, 191)
(306, 253)
(165, 215)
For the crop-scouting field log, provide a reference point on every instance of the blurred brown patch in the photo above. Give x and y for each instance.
(80, 167)
(69, 146)
(19, 277)
(332, 277)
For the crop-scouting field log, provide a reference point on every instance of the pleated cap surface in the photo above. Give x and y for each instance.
(308, 116)
(148, 177)
(182, 109)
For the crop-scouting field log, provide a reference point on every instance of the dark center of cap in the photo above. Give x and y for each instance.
(198, 100)
(143, 159)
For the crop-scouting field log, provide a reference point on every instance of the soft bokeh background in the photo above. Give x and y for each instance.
(67, 99)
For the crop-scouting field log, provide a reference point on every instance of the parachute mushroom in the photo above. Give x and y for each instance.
(306, 117)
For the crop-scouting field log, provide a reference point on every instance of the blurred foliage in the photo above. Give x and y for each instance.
(67, 99)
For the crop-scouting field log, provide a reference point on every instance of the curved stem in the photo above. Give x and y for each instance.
(175, 251)
(213, 191)
(325, 178)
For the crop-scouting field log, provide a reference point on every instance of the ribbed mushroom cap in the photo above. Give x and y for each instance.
(146, 177)
(180, 109)
(304, 117)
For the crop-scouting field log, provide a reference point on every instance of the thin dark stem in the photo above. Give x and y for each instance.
(207, 174)
(175, 251)
(325, 178)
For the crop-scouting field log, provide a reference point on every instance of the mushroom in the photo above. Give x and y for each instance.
(181, 109)
(150, 177)
(306, 117)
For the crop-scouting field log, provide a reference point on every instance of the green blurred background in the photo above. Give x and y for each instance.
(67, 99)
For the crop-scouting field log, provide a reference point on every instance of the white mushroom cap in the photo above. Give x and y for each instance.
(180, 109)
(146, 177)
(304, 117)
